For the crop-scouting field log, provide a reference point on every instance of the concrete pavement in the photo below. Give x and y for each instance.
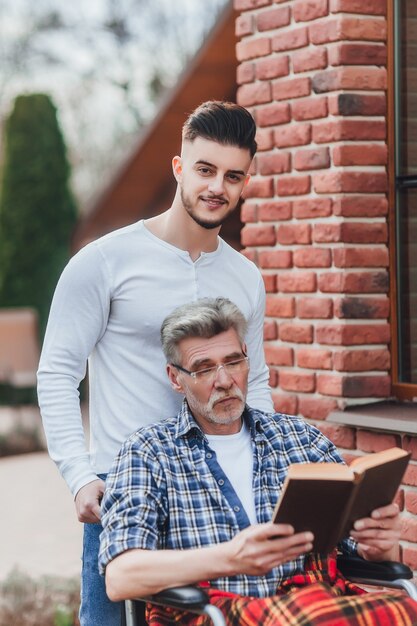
(39, 531)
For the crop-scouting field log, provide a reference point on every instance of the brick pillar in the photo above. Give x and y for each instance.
(313, 74)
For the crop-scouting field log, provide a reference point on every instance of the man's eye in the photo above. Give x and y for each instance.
(204, 170)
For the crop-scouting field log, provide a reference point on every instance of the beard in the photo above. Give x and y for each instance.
(207, 410)
(207, 224)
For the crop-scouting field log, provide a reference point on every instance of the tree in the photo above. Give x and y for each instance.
(37, 209)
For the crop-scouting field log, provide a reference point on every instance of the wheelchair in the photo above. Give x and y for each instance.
(390, 574)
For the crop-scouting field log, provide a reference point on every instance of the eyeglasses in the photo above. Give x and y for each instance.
(208, 374)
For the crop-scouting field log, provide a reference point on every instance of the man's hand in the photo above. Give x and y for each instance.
(378, 535)
(257, 549)
(87, 502)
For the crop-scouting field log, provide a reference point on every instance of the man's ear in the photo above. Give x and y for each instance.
(173, 378)
(244, 348)
(177, 168)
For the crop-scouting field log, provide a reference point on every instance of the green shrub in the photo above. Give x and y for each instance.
(37, 210)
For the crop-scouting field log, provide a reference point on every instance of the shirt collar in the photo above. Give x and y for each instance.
(187, 424)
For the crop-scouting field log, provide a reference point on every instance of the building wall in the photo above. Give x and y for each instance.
(313, 73)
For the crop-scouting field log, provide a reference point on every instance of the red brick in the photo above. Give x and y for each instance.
(274, 163)
(290, 40)
(363, 232)
(408, 526)
(245, 73)
(362, 360)
(315, 359)
(326, 233)
(270, 282)
(361, 257)
(341, 436)
(410, 557)
(250, 254)
(306, 10)
(350, 181)
(290, 381)
(277, 306)
(249, 212)
(357, 104)
(343, 129)
(368, 7)
(410, 476)
(289, 234)
(272, 67)
(284, 89)
(312, 207)
(273, 378)
(270, 330)
(285, 403)
(360, 154)
(279, 355)
(275, 18)
(244, 25)
(309, 59)
(410, 444)
(303, 282)
(369, 441)
(309, 108)
(275, 211)
(348, 28)
(367, 78)
(354, 282)
(259, 188)
(292, 135)
(254, 93)
(411, 502)
(357, 54)
(281, 259)
(313, 159)
(273, 114)
(315, 308)
(329, 384)
(312, 257)
(316, 408)
(352, 334)
(264, 138)
(258, 235)
(296, 333)
(244, 5)
(253, 48)
(362, 308)
(360, 206)
(293, 185)
(366, 387)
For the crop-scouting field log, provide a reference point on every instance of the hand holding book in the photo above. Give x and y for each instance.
(327, 498)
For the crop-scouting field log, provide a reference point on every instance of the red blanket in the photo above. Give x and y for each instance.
(320, 596)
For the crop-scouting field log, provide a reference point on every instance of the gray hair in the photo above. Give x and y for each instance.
(205, 318)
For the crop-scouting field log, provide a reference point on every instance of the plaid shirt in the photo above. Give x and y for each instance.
(167, 491)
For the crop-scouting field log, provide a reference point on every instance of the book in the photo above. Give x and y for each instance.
(327, 498)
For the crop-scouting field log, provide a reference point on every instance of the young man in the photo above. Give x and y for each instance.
(179, 508)
(108, 308)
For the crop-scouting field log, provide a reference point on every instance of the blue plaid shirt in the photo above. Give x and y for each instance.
(167, 491)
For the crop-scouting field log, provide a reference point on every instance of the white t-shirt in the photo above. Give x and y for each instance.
(108, 308)
(235, 456)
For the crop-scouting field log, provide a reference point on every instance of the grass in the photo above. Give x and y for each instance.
(44, 602)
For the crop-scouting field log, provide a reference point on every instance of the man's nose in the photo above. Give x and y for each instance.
(223, 378)
(216, 185)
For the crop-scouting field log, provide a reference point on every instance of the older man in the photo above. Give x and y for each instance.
(190, 499)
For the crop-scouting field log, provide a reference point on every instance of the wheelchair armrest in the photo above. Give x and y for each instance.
(356, 567)
(180, 598)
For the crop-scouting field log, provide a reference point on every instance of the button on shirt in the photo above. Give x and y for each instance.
(164, 491)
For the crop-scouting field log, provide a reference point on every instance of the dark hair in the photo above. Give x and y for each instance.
(204, 318)
(225, 122)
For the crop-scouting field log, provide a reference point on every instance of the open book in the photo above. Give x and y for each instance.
(326, 498)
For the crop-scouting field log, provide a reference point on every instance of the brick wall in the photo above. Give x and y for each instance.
(313, 73)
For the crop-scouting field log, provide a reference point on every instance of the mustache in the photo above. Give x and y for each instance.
(218, 396)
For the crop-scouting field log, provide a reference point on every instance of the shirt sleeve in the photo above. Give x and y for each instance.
(78, 318)
(134, 506)
(259, 391)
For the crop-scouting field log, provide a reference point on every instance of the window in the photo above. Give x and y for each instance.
(403, 194)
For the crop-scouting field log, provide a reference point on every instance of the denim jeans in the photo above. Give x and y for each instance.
(96, 609)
